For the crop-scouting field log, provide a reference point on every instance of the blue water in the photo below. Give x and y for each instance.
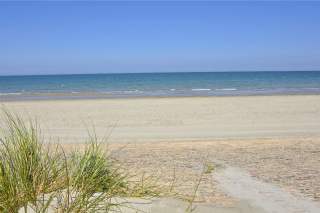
(161, 84)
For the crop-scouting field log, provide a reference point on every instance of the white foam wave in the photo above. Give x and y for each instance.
(201, 89)
(131, 91)
(229, 89)
(11, 93)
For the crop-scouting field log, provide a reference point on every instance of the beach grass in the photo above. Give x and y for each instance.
(40, 176)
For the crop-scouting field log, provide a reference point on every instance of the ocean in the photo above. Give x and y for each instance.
(158, 84)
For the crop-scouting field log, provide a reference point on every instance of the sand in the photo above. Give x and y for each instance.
(157, 205)
(195, 126)
(279, 176)
(179, 118)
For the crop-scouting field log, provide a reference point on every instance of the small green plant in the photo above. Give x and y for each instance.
(209, 168)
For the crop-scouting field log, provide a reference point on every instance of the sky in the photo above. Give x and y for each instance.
(126, 37)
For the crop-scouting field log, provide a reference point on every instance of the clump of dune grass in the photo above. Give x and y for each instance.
(42, 177)
(26, 165)
(91, 179)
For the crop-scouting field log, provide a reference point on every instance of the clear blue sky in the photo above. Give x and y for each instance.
(110, 37)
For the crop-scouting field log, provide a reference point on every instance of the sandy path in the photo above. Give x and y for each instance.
(270, 175)
(261, 195)
(180, 118)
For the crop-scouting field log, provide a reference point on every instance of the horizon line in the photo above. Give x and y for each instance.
(120, 73)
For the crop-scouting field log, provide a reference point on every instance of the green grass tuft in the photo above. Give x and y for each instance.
(40, 176)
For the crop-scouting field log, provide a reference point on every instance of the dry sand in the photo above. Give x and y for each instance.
(238, 121)
(180, 118)
(157, 205)
(279, 176)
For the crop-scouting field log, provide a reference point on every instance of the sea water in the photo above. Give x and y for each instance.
(159, 84)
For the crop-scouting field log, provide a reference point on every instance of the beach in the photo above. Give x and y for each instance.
(166, 119)
(160, 107)
(265, 149)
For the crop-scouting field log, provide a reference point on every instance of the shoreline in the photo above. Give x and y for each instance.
(91, 96)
